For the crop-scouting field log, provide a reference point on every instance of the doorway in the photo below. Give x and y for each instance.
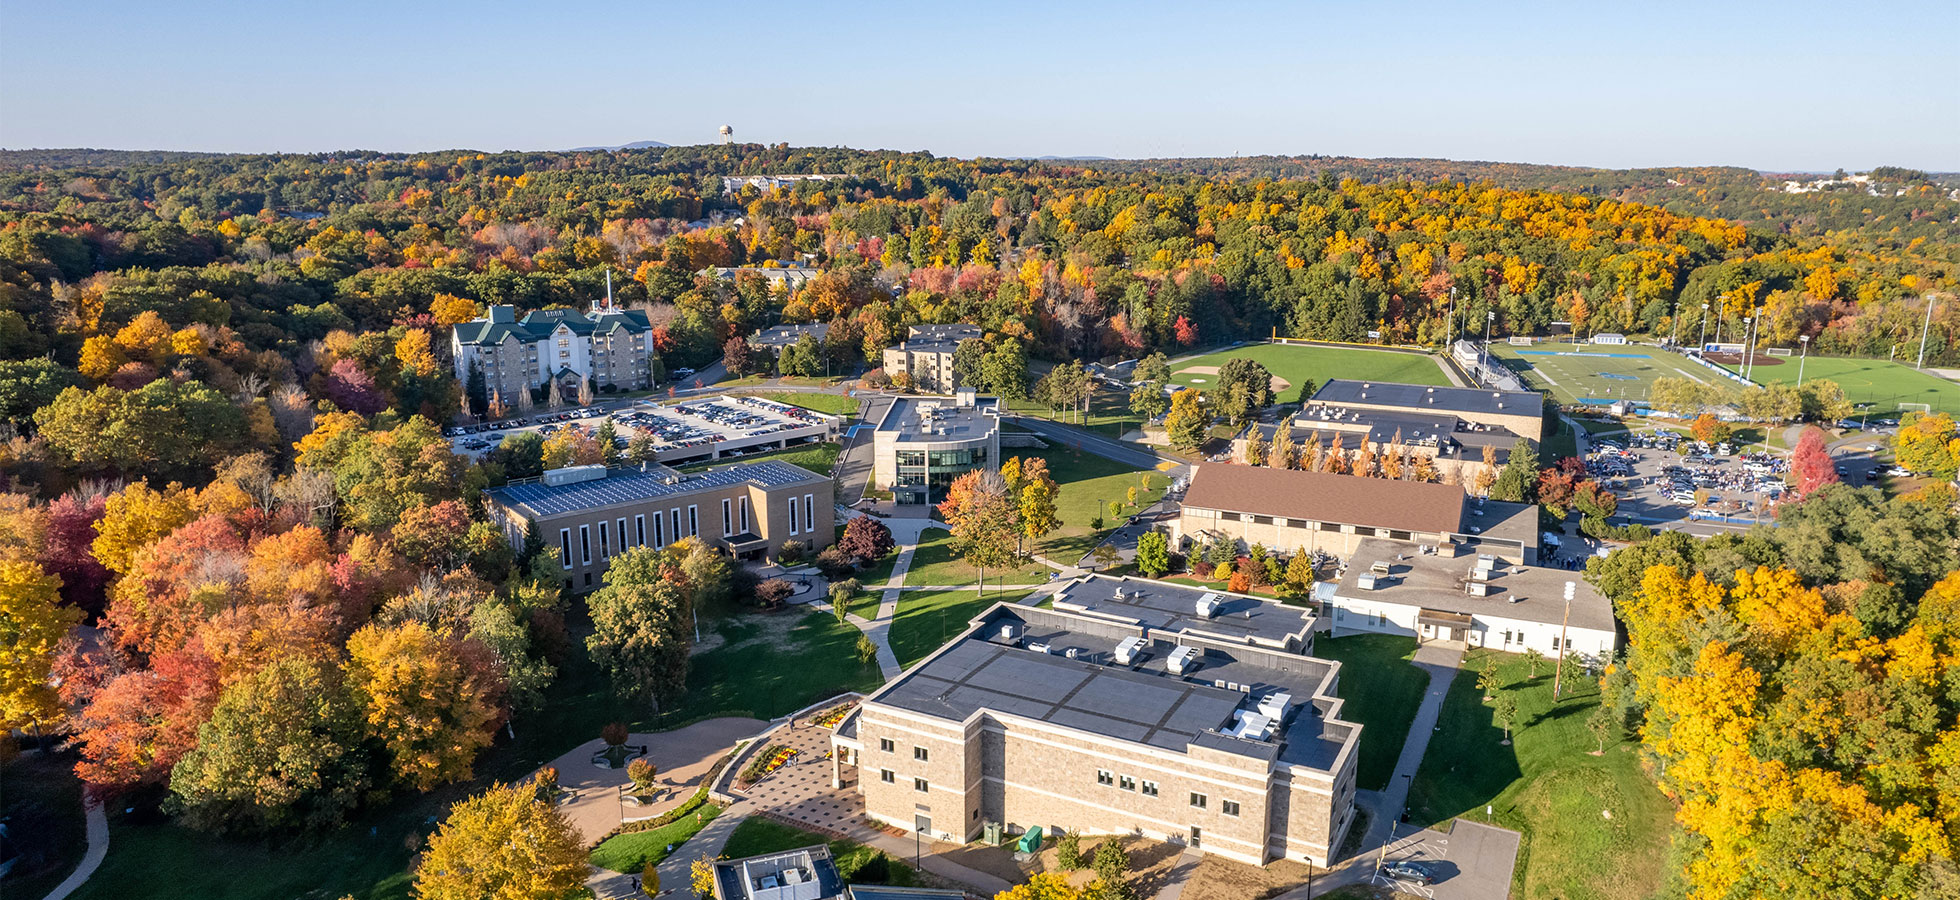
(1197, 837)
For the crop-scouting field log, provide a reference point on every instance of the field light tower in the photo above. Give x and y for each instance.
(1804, 358)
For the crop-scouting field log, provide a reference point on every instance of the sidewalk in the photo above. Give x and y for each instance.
(676, 871)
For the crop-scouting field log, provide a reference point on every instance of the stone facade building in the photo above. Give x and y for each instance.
(926, 356)
(1132, 707)
(588, 514)
(607, 345)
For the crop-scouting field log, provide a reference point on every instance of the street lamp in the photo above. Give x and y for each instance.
(1805, 339)
(1921, 364)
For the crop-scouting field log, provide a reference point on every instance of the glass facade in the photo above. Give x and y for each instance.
(924, 475)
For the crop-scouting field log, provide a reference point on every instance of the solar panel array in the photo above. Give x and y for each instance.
(631, 486)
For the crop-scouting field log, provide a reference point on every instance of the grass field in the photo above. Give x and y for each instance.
(1298, 365)
(1382, 690)
(834, 404)
(761, 665)
(631, 852)
(934, 563)
(1882, 383)
(1627, 373)
(41, 800)
(1088, 483)
(1546, 785)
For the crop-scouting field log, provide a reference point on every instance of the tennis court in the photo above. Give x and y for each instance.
(1882, 383)
(1597, 374)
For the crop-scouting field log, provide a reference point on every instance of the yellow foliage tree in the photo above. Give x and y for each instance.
(136, 516)
(1044, 886)
(430, 709)
(449, 309)
(146, 337)
(101, 357)
(413, 352)
(32, 622)
(503, 843)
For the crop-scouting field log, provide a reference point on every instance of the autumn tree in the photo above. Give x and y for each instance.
(1153, 554)
(503, 843)
(432, 701)
(642, 626)
(282, 750)
(32, 623)
(1187, 421)
(1811, 465)
(1036, 510)
(981, 516)
(866, 540)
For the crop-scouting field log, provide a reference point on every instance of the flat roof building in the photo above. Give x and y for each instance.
(776, 337)
(589, 514)
(1291, 509)
(922, 444)
(1480, 601)
(806, 873)
(1133, 707)
(1520, 412)
(925, 357)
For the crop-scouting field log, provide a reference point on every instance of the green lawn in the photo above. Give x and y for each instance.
(41, 799)
(1382, 690)
(934, 563)
(818, 458)
(928, 619)
(834, 404)
(1547, 786)
(879, 572)
(1297, 365)
(631, 852)
(766, 665)
(1088, 483)
(1109, 412)
(1882, 383)
(756, 835)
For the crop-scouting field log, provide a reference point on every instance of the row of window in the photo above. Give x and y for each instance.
(890, 777)
(1149, 788)
(1332, 527)
(639, 535)
(921, 754)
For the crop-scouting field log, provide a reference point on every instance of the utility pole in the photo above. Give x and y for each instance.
(1805, 339)
(1489, 317)
(1449, 326)
(1922, 333)
(1558, 668)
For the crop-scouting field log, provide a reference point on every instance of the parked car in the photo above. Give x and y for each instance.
(1411, 871)
(1899, 472)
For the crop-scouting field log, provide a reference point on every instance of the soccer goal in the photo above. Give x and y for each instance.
(1523, 341)
(1926, 408)
(1780, 351)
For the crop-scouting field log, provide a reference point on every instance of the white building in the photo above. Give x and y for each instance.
(1475, 600)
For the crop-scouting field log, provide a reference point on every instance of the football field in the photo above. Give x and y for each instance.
(1597, 373)
(1882, 383)
(1294, 364)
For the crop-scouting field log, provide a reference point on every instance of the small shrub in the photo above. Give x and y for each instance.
(866, 649)
(642, 772)
(772, 593)
(792, 552)
(614, 734)
(1068, 851)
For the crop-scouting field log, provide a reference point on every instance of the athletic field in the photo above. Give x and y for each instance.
(1881, 383)
(1597, 373)
(1293, 365)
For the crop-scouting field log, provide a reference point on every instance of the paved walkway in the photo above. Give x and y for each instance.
(1441, 661)
(98, 848)
(676, 871)
(683, 755)
(1180, 873)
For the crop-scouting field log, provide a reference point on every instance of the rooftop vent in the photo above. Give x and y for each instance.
(1010, 633)
(1072, 652)
(1368, 581)
(574, 475)
(1380, 567)
(1478, 588)
(1182, 659)
(1208, 605)
(1275, 705)
(1251, 726)
(1128, 650)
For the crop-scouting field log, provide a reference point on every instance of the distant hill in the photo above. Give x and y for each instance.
(1070, 158)
(636, 145)
(80, 157)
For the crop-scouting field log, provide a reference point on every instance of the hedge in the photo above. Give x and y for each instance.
(671, 816)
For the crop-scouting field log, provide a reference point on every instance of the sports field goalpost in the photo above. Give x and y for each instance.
(1926, 408)
(1523, 341)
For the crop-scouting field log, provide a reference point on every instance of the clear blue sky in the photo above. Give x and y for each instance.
(1780, 86)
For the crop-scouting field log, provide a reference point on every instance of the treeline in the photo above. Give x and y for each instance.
(1795, 689)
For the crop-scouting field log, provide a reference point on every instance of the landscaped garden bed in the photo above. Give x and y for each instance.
(769, 760)
(834, 715)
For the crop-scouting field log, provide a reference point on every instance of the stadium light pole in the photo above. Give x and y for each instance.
(1805, 339)
(1703, 340)
(1748, 336)
(1921, 364)
(1721, 312)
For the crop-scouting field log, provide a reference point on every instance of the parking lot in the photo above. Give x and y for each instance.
(1471, 862)
(714, 428)
(1664, 481)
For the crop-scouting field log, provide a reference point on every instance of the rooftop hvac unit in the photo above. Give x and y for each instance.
(1380, 567)
(1275, 705)
(1010, 633)
(574, 475)
(1038, 647)
(1208, 605)
(1071, 652)
(1478, 588)
(1368, 581)
(1182, 659)
(1127, 651)
(1251, 726)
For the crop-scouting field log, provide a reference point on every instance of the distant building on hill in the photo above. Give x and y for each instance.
(608, 345)
(926, 356)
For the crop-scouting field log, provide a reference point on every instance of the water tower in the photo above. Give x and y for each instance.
(727, 134)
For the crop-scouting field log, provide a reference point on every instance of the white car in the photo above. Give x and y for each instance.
(1871, 448)
(1899, 472)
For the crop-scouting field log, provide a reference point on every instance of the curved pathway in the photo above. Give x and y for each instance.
(98, 848)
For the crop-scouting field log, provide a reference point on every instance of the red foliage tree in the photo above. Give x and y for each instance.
(354, 390)
(1812, 463)
(865, 539)
(1184, 332)
(138, 725)
(159, 605)
(66, 552)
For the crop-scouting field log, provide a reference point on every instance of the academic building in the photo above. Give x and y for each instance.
(922, 444)
(607, 345)
(1132, 707)
(588, 514)
(1522, 413)
(1291, 509)
(926, 356)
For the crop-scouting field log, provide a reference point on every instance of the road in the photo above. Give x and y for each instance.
(1109, 448)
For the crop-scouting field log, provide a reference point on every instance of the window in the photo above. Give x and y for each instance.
(1330, 526)
(605, 548)
(622, 536)
(742, 514)
(1339, 614)
(1198, 800)
(1105, 777)
(565, 547)
(675, 517)
(1126, 783)
(659, 540)
(886, 745)
(920, 754)
(1229, 807)
(792, 515)
(640, 529)
(1150, 789)
(809, 514)
(887, 776)
(727, 517)
(693, 521)
(919, 784)
(585, 544)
